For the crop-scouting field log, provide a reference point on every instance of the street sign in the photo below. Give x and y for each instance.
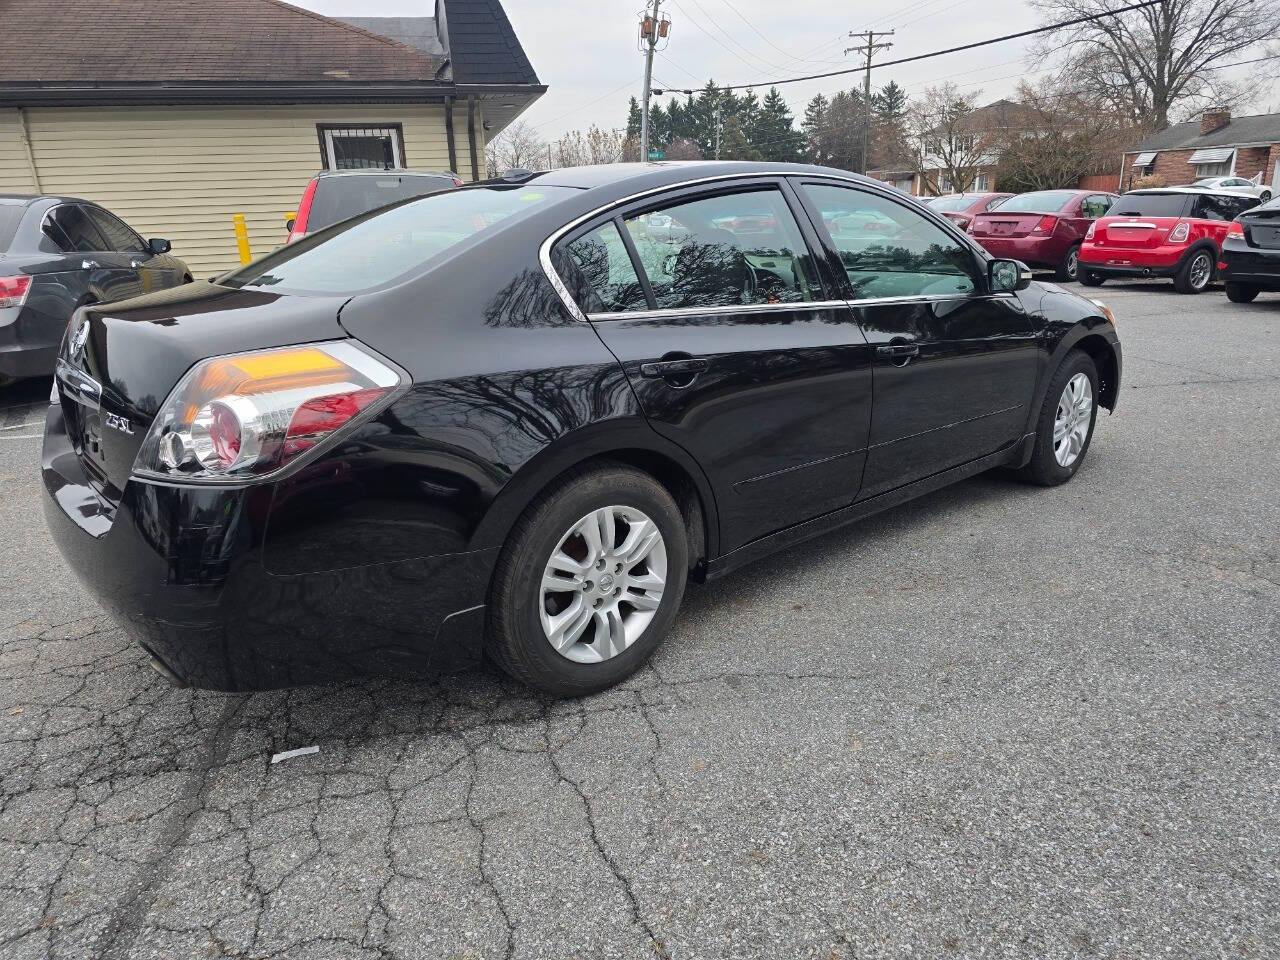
(656, 154)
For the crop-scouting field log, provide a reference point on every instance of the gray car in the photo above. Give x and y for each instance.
(57, 254)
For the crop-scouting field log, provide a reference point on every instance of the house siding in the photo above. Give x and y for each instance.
(1174, 168)
(182, 172)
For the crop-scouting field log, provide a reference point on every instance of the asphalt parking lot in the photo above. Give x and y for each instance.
(998, 721)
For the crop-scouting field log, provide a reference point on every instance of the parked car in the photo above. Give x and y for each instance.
(1250, 259)
(1259, 191)
(1042, 229)
(334, 195)
(60, 253)
(961, 208)
(530, 428)
(1172, 232)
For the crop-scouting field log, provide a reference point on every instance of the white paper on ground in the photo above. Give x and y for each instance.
(290, 754)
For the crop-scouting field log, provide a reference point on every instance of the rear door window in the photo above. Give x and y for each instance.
(888, 249)
(114, 231)
(339, 198)
(77, 232)
(733, 249)
(1213, 207)
(1095, 206)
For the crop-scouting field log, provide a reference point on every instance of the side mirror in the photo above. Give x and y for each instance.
(1007, 276)
(158, 245)
(288, 224)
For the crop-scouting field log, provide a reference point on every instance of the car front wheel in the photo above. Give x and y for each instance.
(589, 581)
(1195, 273)
(1065, 427)
(1241, 292)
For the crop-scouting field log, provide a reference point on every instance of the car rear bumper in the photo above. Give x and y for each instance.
(1162, 261)
(1033, 251)
(21, 354)
(1251, 265)
(181, 568)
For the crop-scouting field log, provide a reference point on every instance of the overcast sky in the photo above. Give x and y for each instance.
(585, 50)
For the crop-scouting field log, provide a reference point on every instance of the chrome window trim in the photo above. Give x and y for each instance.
(562, 290)
(797, 305)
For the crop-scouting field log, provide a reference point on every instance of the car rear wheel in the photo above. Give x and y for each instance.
(1090, 279)
(1264, 196)
(1065, 427)
(1241, 292)
(1195, 273)
(589, 581)
(1069, 268)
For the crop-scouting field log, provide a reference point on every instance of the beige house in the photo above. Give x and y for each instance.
(178, 114)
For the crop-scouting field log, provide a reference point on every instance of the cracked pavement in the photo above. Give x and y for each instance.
(996, 722)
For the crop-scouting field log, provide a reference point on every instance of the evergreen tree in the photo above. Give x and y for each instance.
(734, 144)
(889, 103)
(634, 118)
(814, 127)
(776, 138)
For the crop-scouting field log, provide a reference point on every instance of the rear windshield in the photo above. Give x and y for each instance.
(1042, 201)
(952, 203)
(10, 214)
(337, 198)
(1149, 205)
(386, 246)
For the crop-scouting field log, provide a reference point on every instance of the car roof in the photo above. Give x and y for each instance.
(1198, 191)
(379, 172)
(27, 199)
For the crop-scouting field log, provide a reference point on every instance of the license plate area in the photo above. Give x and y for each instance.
(1266, 237)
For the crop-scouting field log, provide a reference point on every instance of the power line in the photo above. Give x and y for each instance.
(967, 46)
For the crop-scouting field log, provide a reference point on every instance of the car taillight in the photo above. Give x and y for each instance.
(248, 415)
(1181, 230)
(1093, 228)
(14, 290)
(457, 181)
(1234, 229)
(1045, 225)
(304, 212)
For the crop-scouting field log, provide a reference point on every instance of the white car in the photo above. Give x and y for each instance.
(1236, 185)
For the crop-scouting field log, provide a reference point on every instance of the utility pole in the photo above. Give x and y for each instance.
(868, 49)
(652, 29)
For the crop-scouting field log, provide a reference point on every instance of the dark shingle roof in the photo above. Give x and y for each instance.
(483, 45)
(178, 41)
(1262, 128)
(417, 32)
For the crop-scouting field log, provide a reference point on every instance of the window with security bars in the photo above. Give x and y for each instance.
(363, 148)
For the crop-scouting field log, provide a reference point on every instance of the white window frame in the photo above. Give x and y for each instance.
(394, 130)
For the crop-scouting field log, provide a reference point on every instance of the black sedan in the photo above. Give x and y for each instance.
(1251, 253)
(516, 417)
(60, 253)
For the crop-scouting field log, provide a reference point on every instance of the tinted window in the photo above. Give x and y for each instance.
(389, 245)
(337, 198)
(952, 204)
(113, 230)
(890, 250)
(78, 232)
(1149, 205)
(10, 217)
(606, 281)
(1042, 201)
(1215, 207)
(730, 250)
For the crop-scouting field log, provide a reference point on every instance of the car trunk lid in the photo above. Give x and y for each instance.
(119, 361)
(1005, 225)
(1133, 232)
(1262, 228)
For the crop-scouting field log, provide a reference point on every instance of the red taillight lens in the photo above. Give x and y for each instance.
(304, 212)
(13, 290)
(457, 181)
(1235, 229)
(1046, 225)
(321, 416)
(1181, 230)
(1093, 228)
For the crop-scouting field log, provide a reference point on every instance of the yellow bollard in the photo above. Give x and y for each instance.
(242, 237)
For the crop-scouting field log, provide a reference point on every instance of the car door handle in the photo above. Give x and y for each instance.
(135, 264)
(898, 351)
(666, 369)
(89, 264)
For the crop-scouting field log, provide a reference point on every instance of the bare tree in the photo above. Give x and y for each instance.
(948, 143)
(1161, 59)
(519, 145)
(576, 149)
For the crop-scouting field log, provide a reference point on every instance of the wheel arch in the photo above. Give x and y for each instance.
(1096, 337)
(630, 441)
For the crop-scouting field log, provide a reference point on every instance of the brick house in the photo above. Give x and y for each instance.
(1216, 145)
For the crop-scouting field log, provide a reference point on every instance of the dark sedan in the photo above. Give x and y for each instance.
(60, 253)
(512, 419)
(1250, 258)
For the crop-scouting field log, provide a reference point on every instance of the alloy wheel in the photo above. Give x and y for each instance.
(1074, 416)
(1201, 270)
(1073, 263)
(603, 584)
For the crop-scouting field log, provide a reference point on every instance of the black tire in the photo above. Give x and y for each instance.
(1069, 268)
(1182, 281)
(1043, 468)
(1265, 196)
(6, 381)
(1088, 278)
(516, 640)
(1241, 292)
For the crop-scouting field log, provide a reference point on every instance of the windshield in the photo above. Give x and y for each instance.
(1207, 182)
(10, 214)
(338, 198)
(1149, 205)
(952, 203)
(387, 245)
(1042, 201)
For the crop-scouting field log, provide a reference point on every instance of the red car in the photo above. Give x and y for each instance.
(963, 207)
(1042, 229)
(1168, 232)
